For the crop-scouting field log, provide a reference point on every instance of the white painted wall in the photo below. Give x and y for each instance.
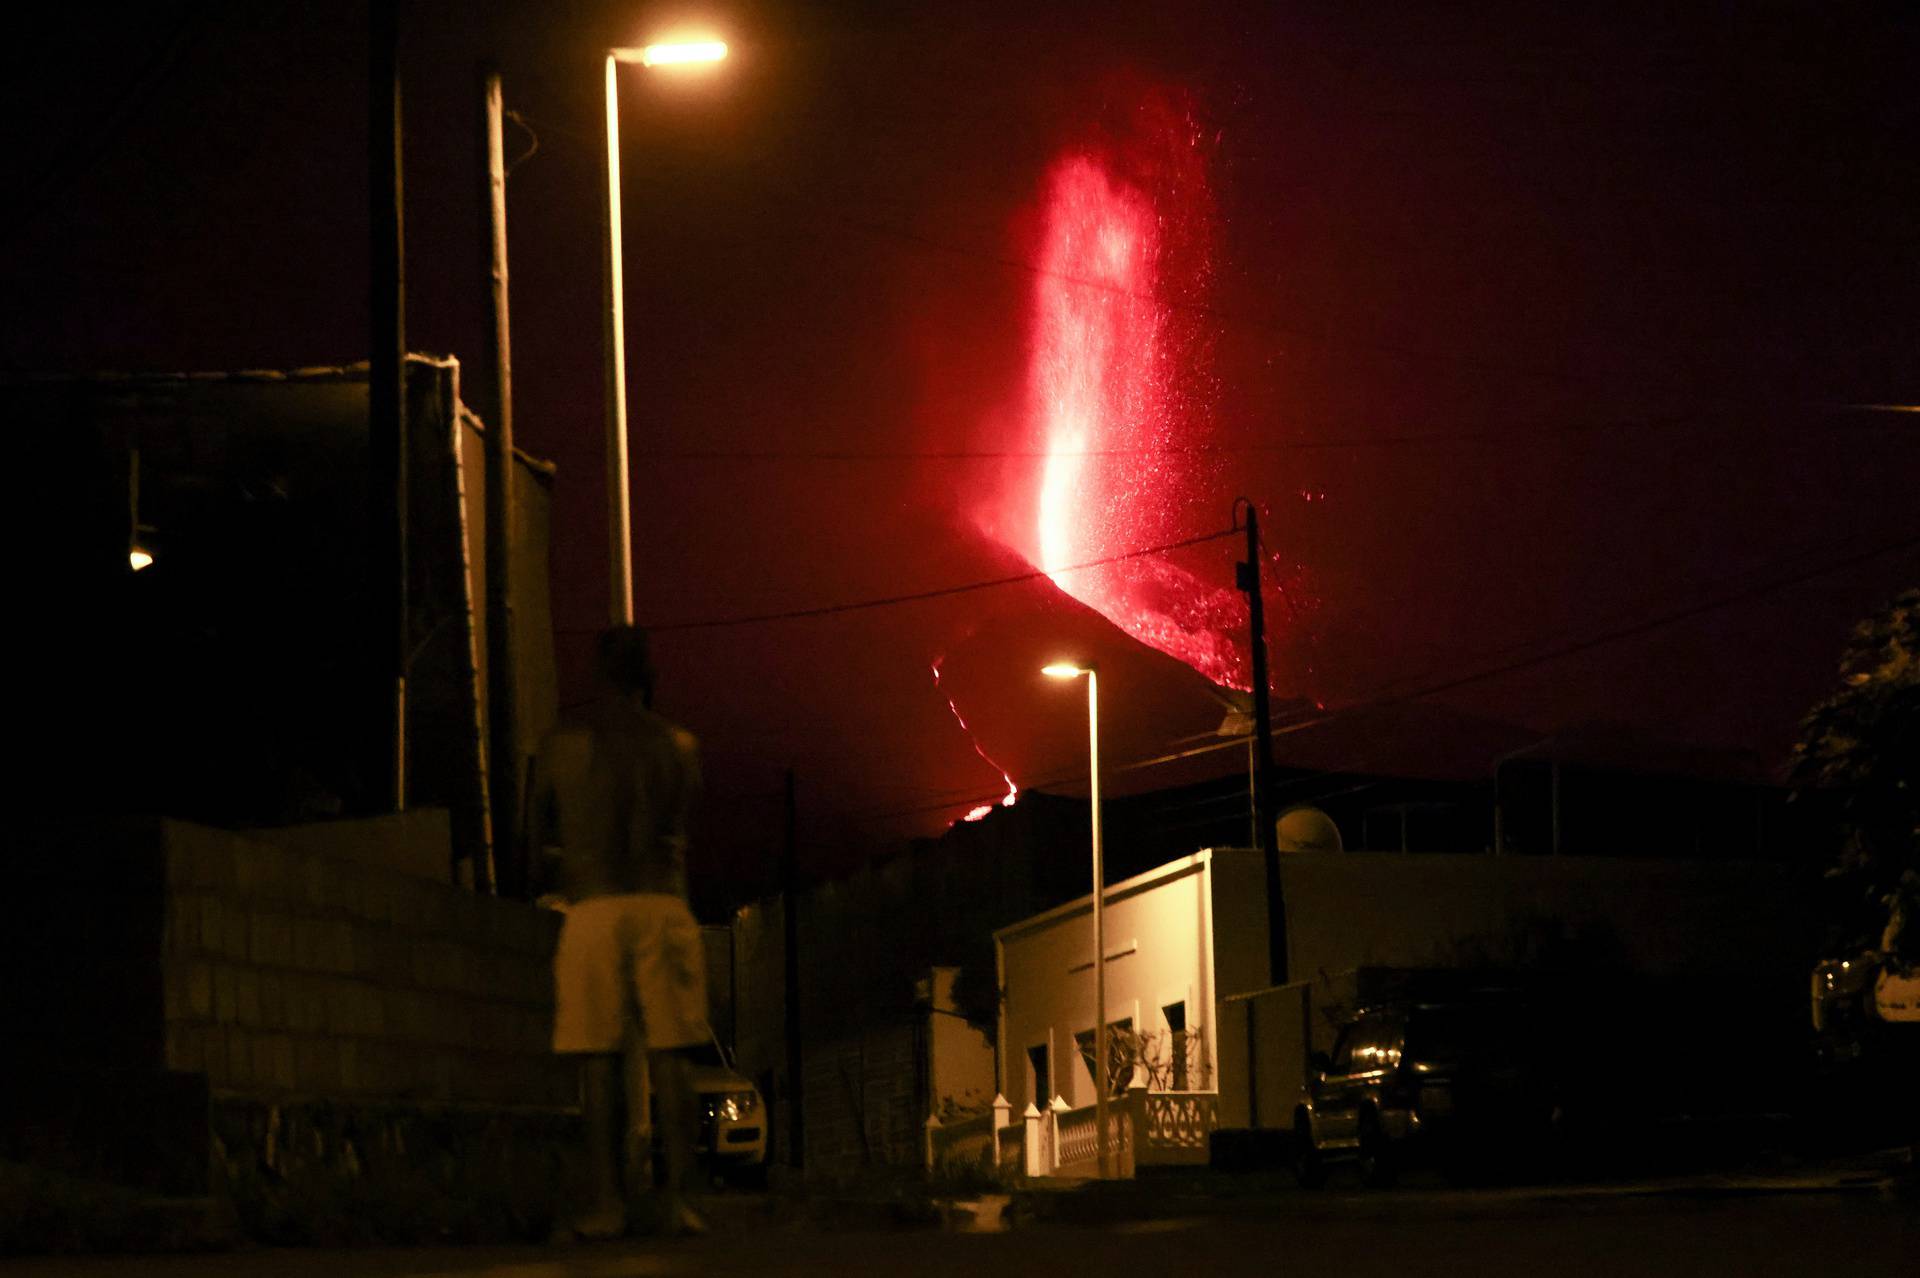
(959, 1056)
(1160, 928)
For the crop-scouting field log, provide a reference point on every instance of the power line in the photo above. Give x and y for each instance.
(1546, 433)
(917, 596)
(1614, 635)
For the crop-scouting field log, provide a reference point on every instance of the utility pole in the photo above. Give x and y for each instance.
(503, 719)
(1247, 578)
(790, 936)
(386, 388)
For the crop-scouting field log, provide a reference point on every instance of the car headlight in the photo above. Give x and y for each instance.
(740, 1104)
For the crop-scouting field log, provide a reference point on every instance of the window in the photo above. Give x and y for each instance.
(1371, 1037)
(1119, 1061)
(1176, 1014)
(1039, 1076)
(1342, 1055)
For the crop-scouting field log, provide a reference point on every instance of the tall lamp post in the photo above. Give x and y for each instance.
(619, 511)
(1101, 1083)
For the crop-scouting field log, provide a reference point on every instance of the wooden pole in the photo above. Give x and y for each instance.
(503, 717)
(1249, 581)
(386, 387)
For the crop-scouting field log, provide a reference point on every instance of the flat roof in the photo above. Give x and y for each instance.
(1125, 887)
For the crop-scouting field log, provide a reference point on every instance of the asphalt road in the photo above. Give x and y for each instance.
(1344, 1235)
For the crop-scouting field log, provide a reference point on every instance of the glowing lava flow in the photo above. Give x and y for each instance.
(1013, 791)
(1117, 389)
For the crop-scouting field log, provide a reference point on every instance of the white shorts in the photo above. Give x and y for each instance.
(634, 956)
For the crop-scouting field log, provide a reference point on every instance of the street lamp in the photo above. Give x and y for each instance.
(1101, 1083)
(619, 514)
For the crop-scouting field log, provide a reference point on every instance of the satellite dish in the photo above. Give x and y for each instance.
(1306, 829)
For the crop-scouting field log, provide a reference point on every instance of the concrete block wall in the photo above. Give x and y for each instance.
(289, 971)
(863, 1098)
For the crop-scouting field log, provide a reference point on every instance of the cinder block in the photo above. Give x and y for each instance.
(280, 940)
(247, 997)
(183, 1047)
(211, 856)
(312, 874)
(173, 990)
(306, 944)
(199, 983)
(306, 1009)
(436, 1076)
(398, 1068)
(316, 1064)
(366, 950)
(210, 910)
(182, 934)
(246, 872)
(342, 1015)
(213, 1054)
(273, 1062)
(239, 1058)
(273, 1000)
(269, 870)
(226, 1001)
(236, 942)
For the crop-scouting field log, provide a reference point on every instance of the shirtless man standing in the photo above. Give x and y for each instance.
(612, 797)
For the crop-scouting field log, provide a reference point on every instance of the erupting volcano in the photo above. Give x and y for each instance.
(1119, 393)
(1117, 409)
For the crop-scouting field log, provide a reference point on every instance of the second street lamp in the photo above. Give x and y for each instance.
(1101, 1071)
(619, 511)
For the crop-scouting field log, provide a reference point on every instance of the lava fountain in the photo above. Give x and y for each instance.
(1119, 393)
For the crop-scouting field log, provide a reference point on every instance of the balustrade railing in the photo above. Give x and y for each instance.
(1143, 1128)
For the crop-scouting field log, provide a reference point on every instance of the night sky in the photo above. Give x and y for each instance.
(1531, 331)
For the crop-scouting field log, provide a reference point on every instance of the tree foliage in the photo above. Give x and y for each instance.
(1860, 749)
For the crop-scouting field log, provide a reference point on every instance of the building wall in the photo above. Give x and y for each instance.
(865, 1101)
(959, 1057)
(300, 972)
(1687, 943)
(281, 967)
(1157, 955)
(1239, 903)
(154, 965)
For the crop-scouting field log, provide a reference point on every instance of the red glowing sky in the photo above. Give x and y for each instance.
(1522, 324)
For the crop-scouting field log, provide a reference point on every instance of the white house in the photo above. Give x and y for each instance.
(1178, 938)
(1203, 1040)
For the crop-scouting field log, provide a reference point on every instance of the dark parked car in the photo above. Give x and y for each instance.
(1464, 1079)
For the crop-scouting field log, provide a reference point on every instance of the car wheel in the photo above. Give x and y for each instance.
(1309, 1167)
(1377, 1168)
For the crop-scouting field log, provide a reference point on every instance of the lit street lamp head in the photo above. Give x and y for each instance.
(678, 53)
(1066, 670)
